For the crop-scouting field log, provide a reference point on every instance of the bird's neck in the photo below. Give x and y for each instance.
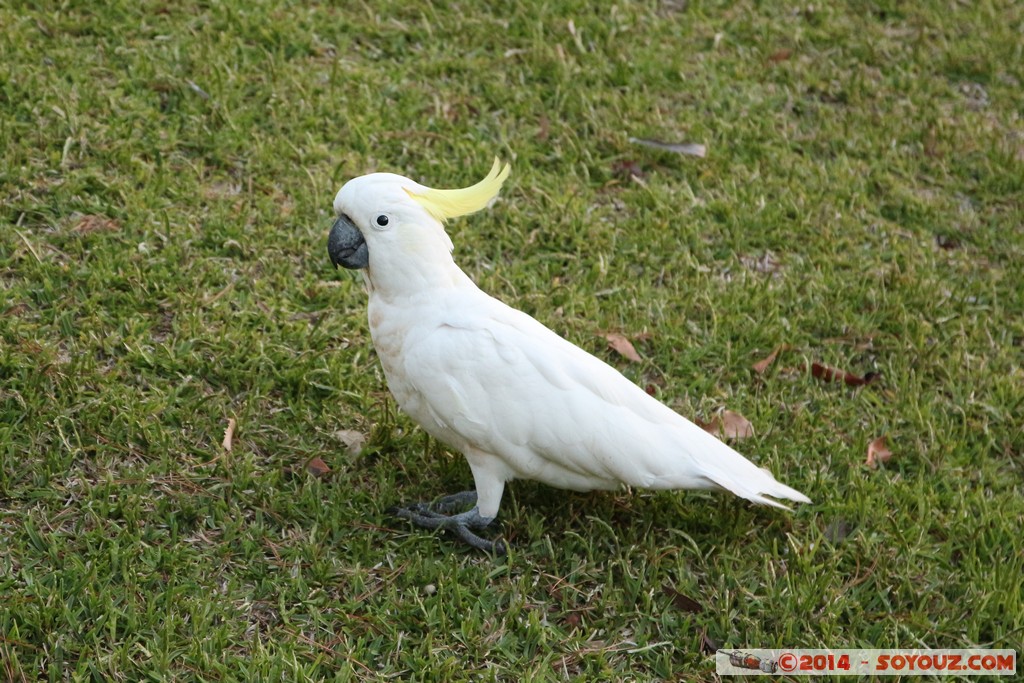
(412, 278)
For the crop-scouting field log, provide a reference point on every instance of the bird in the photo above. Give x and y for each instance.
(490, 381)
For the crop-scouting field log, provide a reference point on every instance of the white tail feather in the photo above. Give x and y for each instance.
(723, 467)
(753, 483)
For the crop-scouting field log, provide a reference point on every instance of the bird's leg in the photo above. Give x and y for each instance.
(433, 516)
(456, 500)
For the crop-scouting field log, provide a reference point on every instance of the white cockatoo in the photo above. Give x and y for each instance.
(516, 399)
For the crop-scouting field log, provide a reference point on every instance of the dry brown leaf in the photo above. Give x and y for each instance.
(692, 149)
(708, 645)
(16, 309)
(625, 169)
(728, 425)
(682, 602)
(735, 426)
(93, 223)
(572, 620)
(544, 128)
(878, 452)
(352, 440)
(830, 374)
(317, 467)
(229, 435)
(762, 365)
(622, 346)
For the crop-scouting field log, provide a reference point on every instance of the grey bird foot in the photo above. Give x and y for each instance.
(432, 516)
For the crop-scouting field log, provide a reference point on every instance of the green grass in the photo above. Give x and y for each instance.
(166, 184)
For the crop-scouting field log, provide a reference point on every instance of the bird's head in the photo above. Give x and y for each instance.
(387, 223)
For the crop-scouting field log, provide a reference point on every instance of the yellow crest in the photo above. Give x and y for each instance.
(445, 204)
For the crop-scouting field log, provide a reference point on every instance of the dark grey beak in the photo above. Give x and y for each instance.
(346, 246)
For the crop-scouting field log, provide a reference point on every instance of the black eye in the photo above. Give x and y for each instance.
(382, 220)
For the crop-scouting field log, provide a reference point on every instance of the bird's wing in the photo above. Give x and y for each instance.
(507, 385)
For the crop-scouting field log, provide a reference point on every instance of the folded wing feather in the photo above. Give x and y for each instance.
(494, 379)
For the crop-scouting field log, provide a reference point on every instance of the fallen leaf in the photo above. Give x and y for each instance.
(351, 439)
(572, 620)
(544, 128)
(708, 645)
(728, 425)
(625, 169)
(762, 365)
(780, 56)
(622, 346)
(830, 374)
(878, 452)
(91, 223)
(229, 435)
(16, 309)
(735, 426)
(317, 467)
(690, 148)
(682, 602)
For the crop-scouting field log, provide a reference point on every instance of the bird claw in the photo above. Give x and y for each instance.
(431, 516)
(497, 547)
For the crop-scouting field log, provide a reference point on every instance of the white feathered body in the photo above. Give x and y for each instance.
(523, 403)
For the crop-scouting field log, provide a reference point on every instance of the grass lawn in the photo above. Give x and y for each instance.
(165, 195)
